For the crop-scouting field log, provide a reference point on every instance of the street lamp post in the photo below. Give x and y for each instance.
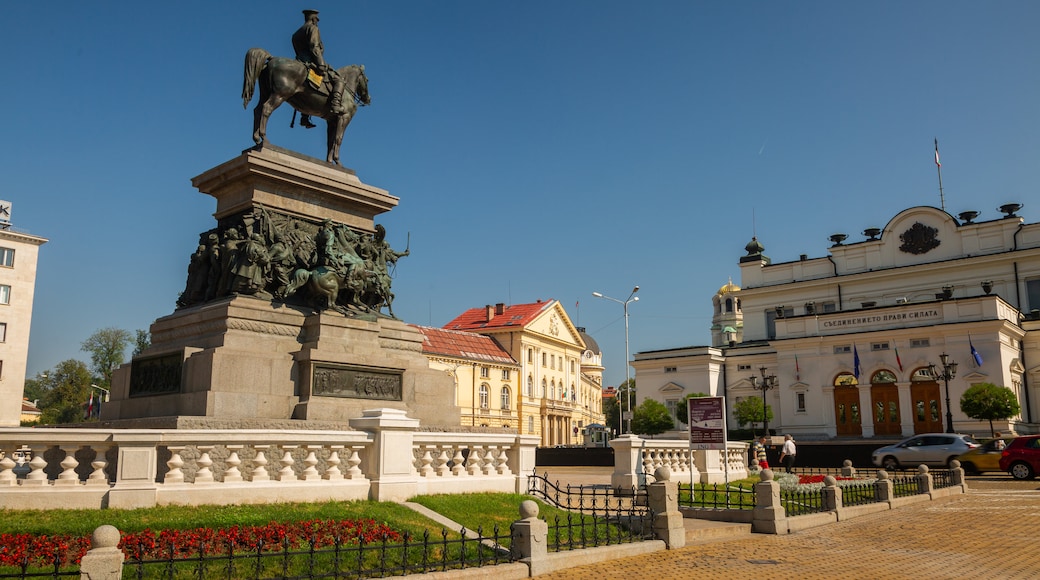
(949, 370)
(628, 400)
(764, 384)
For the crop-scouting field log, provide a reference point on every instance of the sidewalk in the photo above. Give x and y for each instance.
(988, 533)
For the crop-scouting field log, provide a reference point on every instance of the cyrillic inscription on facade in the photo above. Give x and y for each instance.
(896, 317)
(354, 383)
(159, 375)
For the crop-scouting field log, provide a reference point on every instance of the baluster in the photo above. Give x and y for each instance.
(332, 472)
(353, 471)
(310, 473)
(100, 462)
(442, 468)
(457, 467)
(260, 464)
(37, 464)
(488, 460)
(475, 461)
(68, 476)
(204, 474)
(503, 462)
(175, 463)
(425, 461)
(286, 473)
(7, 464)
(231, 472)
(676, 461)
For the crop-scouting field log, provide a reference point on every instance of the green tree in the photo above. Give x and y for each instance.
(36, 388)
(611, 411)
(68, 389)
(107, 349)
(750, 411)
(682, 412)
(989, 402)
(651, 418)
(142, 341)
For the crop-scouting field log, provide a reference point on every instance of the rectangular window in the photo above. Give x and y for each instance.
(801, 402)
(505, 374)
(1032, 293)
(485, 372)
(3, 332)
(919, 342)
(7, 257)
(842, 349)
(743, 367)
(545, 358)
(670, 369)
(879, 346)
(830, 307)
(5, 294)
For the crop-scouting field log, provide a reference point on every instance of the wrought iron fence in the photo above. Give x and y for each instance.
(718, 496)
(858, 493)
(54, 571)
(941, 478)
(598, 515)
(36, 562)
(799, 502)
(904, 486)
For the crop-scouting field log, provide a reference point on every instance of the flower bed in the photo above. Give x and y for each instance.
(794, 482)
(24, 550)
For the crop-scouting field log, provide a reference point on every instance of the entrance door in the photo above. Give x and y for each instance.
(885, 409)
(927, 407)
(847, 412)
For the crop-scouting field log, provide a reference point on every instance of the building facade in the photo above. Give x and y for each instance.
(557, 385)
(851, 337)
(18, 258)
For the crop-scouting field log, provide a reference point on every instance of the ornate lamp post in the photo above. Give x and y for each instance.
(631, 298)
(763, 384)
(949, 370)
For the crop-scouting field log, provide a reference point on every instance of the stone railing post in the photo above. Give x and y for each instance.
(924, 480)
(883, 487)
(847, 470)
(628, 461)
(663, 499)
(104, 561)
(530, 538)
(957, 476)
(769, 516)
(831, 494)
(389, 461)
(136, 469)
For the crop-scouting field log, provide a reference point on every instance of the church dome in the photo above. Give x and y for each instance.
(728, 288)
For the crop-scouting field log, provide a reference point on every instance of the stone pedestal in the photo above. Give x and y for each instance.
(255, 357)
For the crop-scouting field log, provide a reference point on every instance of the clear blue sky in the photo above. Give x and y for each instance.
(541, 149)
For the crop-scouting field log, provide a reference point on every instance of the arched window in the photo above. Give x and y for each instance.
(883, 376)
(738, 304)
(922, 375)
(530, 386)
(845, 380)
(545, 388)
(729, 305)
(552, 389)
(485, 396)
(506, 399)
(574, 393)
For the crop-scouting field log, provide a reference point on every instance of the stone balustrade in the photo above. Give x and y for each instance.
(128, 468)
(634, 457)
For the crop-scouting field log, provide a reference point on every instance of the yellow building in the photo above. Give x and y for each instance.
(557, 383)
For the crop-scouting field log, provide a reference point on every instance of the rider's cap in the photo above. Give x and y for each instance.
(308, 13)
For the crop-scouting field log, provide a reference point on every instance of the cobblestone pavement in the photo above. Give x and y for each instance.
(987, 534)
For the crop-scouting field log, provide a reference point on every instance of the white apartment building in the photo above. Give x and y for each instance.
(850, 336)
(18, 255)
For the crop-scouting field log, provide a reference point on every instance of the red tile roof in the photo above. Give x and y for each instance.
(468, 345)
(512, 316)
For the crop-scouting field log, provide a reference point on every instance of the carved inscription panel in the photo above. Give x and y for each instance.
(356, 383)
(159, 375)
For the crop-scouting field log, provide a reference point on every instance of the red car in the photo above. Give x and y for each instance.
(1021, 458)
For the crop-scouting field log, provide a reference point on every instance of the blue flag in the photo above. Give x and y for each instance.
(855, 361)
(975, 354)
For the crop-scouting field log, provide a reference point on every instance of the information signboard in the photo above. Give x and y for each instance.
(707, 421)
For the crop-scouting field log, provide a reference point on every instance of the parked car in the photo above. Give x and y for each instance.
(1021, 458)
(985, 457)
(935, 449)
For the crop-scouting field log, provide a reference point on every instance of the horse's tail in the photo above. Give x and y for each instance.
(256, 58)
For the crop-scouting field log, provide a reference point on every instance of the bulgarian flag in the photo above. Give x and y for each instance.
(90, 406)
(797, 369)
(937, 164)
(899, 361)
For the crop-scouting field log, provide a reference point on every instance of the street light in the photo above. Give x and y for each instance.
(949, 370)
(764, 384)
(631, 298)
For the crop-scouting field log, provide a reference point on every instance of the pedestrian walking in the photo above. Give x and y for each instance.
(758, 450)
(787, 453)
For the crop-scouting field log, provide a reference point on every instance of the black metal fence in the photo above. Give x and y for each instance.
(799, 502)
(904, 486)
(718, 496)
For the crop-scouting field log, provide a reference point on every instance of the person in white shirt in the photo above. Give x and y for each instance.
(787, 453)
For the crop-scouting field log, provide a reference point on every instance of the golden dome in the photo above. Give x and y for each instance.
(728, 288)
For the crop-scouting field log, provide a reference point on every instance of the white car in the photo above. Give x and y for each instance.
(933, 449)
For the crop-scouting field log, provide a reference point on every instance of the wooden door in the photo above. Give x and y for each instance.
(847, 412)
(884, 400)
(927, 407)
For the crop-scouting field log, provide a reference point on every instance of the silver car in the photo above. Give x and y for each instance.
(934, 449)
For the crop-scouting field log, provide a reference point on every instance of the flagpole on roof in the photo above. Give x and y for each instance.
(938, 167)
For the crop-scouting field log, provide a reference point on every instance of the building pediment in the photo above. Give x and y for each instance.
(671, 389)
(976, 377)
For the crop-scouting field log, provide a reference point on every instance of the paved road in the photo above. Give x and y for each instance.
(987, 534)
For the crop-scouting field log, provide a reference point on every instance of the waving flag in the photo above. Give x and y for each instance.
(937, 164)
(975, 354)
(899, 361)
(797, 369)
(90, 407)
(855, 361)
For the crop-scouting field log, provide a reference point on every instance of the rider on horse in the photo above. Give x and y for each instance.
(309, 49)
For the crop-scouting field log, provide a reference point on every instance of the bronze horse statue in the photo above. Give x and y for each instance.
(285, 79)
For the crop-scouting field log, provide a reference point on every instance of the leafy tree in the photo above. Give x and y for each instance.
(651, 418)
(682, 412)
(142, 341)
(989, 402)
(68, 389)
(750, 411)
(107, 348)
(611, 411)
(36, 388)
